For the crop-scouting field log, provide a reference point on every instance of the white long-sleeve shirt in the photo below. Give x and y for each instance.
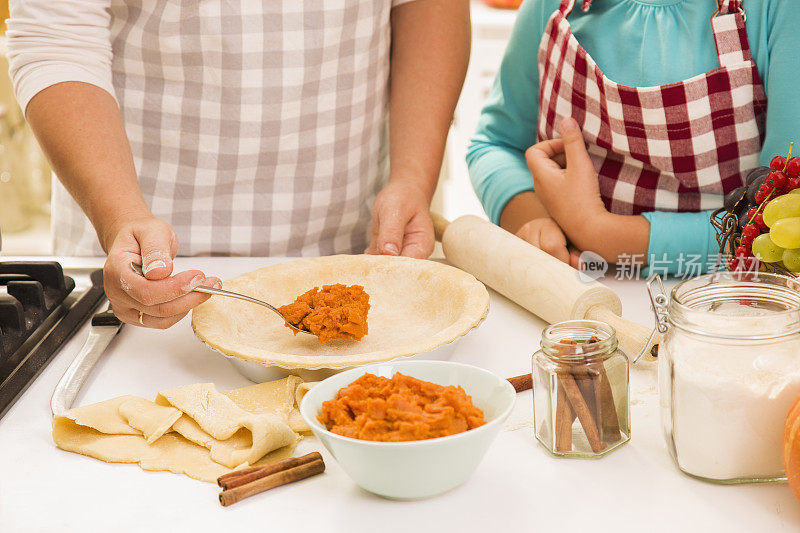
(257, 128)
(52, 42)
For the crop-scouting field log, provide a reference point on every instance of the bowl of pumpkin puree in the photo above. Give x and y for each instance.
(409, 429)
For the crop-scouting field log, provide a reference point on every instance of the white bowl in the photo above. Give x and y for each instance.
(422, 468)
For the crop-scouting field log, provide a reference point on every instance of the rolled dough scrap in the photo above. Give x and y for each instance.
(151, 419)
(233, 435)
(104, 416)
(212, 433)
(416, 306)
(170, 453)
(296, 421)
(284, 394)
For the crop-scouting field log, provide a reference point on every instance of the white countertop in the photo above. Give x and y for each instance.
(518, 486)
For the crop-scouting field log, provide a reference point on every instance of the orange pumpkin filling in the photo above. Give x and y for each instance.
(334, 312)
(399, 409)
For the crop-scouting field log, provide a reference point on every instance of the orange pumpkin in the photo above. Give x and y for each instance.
(503, 4)
(791, 448)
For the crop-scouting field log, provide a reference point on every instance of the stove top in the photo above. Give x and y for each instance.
(41, 307)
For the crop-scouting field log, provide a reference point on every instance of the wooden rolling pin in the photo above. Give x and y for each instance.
(537, 281)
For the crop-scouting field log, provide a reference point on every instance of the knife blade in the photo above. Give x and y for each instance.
(105, 326)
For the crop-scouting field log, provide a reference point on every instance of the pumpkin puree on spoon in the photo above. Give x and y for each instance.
(333, 312)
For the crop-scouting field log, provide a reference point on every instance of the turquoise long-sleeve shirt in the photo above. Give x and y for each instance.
(639, 43)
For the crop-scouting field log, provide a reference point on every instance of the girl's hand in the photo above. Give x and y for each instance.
(401, 221)
(162, 299)
(545, 234)
(572, 194)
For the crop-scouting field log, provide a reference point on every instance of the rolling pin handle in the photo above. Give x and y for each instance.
(633, 338)
(652, 348)
(439, 225)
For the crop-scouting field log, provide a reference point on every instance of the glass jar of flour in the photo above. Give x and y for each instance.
(729, 370)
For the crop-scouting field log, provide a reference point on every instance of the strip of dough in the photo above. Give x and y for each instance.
(193, 430)
(151, 419)
(237, 436)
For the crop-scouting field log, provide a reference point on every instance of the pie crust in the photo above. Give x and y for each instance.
(416, 306)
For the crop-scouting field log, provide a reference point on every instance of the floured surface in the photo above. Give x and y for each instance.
(416, 306)
(193, 430)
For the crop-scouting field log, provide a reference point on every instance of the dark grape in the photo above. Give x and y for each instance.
(733, 198)
(752, 189)
(744, 218)
(756, 173)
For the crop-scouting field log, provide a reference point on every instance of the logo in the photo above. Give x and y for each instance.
(591, 266)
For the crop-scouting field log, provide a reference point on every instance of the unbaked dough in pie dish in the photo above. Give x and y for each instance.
(416, 306)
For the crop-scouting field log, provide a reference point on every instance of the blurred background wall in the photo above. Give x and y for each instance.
(24, 174)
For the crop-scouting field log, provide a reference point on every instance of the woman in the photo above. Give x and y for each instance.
(657, 107)
(236, 128)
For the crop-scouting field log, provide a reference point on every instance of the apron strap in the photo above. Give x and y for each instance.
(729, 6)
(730, 34)
(567, 6)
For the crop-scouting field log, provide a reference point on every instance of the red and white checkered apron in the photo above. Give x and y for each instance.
(677, 147)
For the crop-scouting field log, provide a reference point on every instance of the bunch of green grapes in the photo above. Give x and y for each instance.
(782, 243)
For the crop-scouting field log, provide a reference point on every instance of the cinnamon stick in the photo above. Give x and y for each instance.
(587, 383)
(608, 416)
(231, 496)
(244, 476)
(581, 409)
(521, 383)
(565, 417)
(595, 388)
(237, 473)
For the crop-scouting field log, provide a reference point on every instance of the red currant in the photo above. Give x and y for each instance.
(751, 264)
(793, 183)
(777, 163)
(793, 167)
(743, 251)
(733, 265)
(777, 180)
(749, 232)
(760, 196)
(758, 220)
(751, 213)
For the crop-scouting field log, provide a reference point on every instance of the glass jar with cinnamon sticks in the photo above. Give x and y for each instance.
(580, 390)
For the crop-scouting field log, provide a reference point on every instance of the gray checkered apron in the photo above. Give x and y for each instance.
(676, 147)
(257, 128)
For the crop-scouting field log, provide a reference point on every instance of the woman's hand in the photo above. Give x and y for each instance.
(545, 234)
(162, 299)
(572, 194)
(401, 221)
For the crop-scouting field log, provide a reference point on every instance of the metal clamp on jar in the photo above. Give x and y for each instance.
(729, 370)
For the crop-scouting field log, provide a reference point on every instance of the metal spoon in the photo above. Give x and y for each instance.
(220, 292)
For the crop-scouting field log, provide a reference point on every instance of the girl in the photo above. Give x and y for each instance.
(661, 109)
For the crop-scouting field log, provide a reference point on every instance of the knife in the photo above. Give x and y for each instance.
(105, 326)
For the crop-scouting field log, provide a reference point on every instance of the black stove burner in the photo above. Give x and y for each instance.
(39, 312)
